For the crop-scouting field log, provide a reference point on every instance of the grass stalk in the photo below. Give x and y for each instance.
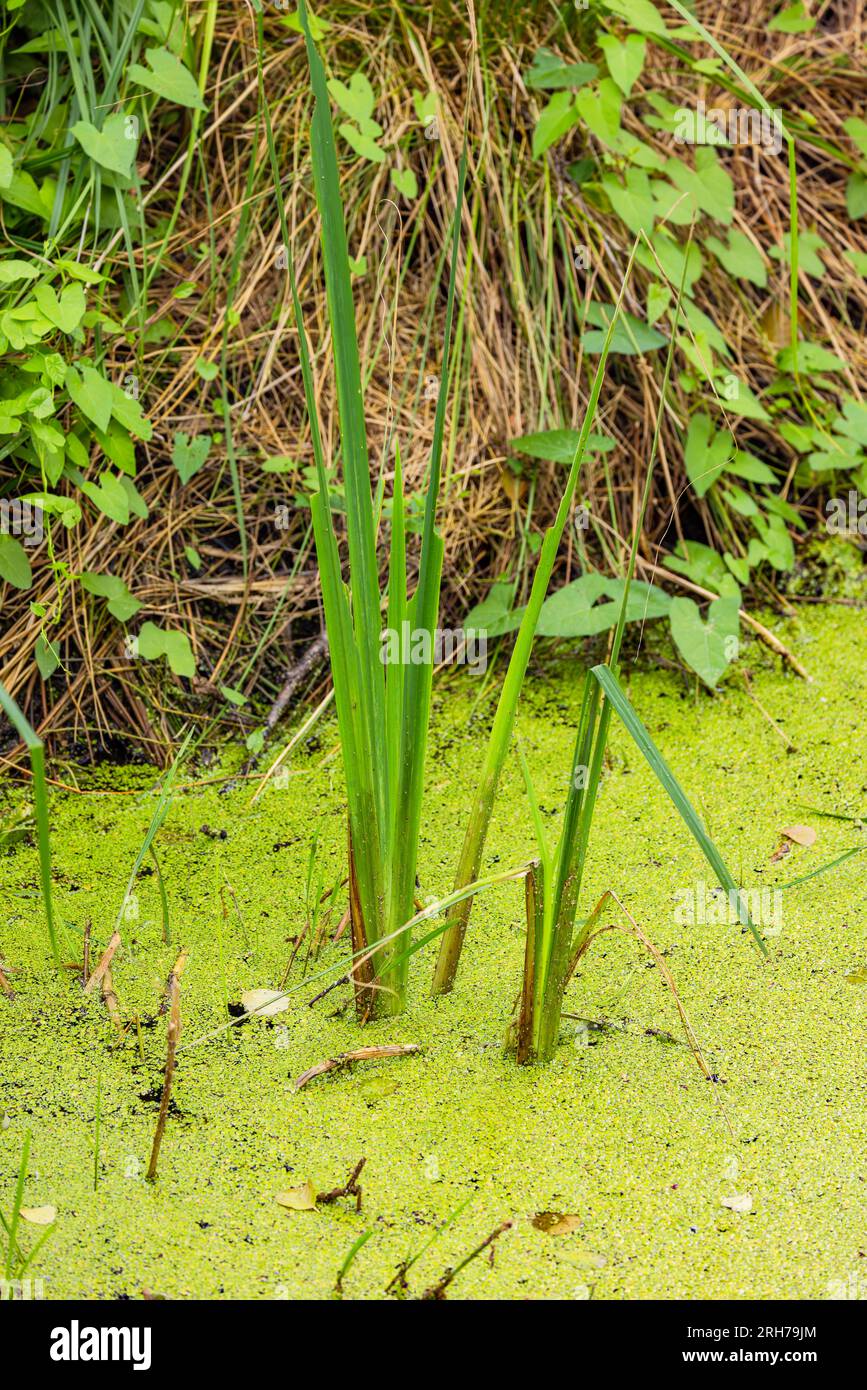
(553, 945)
(36, 753)
(504, 719)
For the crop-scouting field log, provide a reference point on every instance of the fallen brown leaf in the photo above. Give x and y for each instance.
(556, 1223)
(801, 834)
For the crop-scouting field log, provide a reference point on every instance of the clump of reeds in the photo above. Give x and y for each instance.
(554, 943)
(383, 706)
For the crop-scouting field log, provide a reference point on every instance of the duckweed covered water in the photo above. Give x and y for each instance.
(622, 1129)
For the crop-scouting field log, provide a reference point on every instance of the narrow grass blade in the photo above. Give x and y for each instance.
(160, 812)
(397, 616)
(418, 676)
(823, 868)
(353, 432)
(17, 1204)
(350, 1257)
(615, 695)
(504, 719)
(591, 742)
(36, 752)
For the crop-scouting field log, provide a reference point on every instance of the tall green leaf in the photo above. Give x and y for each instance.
(36, 751)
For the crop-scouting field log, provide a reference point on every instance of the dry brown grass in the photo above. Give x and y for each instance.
(519, 347)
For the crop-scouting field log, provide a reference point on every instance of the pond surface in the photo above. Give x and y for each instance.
(621, 1130)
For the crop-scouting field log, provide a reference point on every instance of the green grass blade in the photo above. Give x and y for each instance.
(17, 1203)
(536, 814)
(164, 901)
(823, 868)
(591, 742)
(36, 752)
(358, 756)
(418, 676)
(567, 882)
(347, 369)
(616, 697)
(161, 810)
(397, 616)
(504, 719)
(354, 1248)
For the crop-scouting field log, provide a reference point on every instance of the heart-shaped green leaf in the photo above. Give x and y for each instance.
(167, 76)
(189, 455)
(113, 147)
(624, 60)
(405, 182)
(357, 99)
(47, 657)
(557, 117)
(707, 647)
(65, 312)
(363, 145)
(550, 73)
(121, 603)
(154, 642)
(14, 564)
(92, 394)
(109, 495)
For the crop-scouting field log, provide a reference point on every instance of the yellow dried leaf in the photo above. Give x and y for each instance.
(556, 1223)
(741, 1203)
(302, 1198)
(39, 1216)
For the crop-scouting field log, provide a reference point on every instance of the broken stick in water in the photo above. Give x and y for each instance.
(361, 1054)
(174, 1032)
(105, 962)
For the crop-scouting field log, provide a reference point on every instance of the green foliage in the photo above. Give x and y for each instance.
(558, 446)
(68, 178)
(357, 99)
(190, 455)
(655, 197)
(706, 646)
(154, 642)
(167, 76)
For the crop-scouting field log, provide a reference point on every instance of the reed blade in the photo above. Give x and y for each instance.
(504, 719)
(616, 698)
(36, 753)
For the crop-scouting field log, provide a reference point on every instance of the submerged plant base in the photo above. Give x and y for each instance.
(537, 1027)
(379, 985)
(535, 1031)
